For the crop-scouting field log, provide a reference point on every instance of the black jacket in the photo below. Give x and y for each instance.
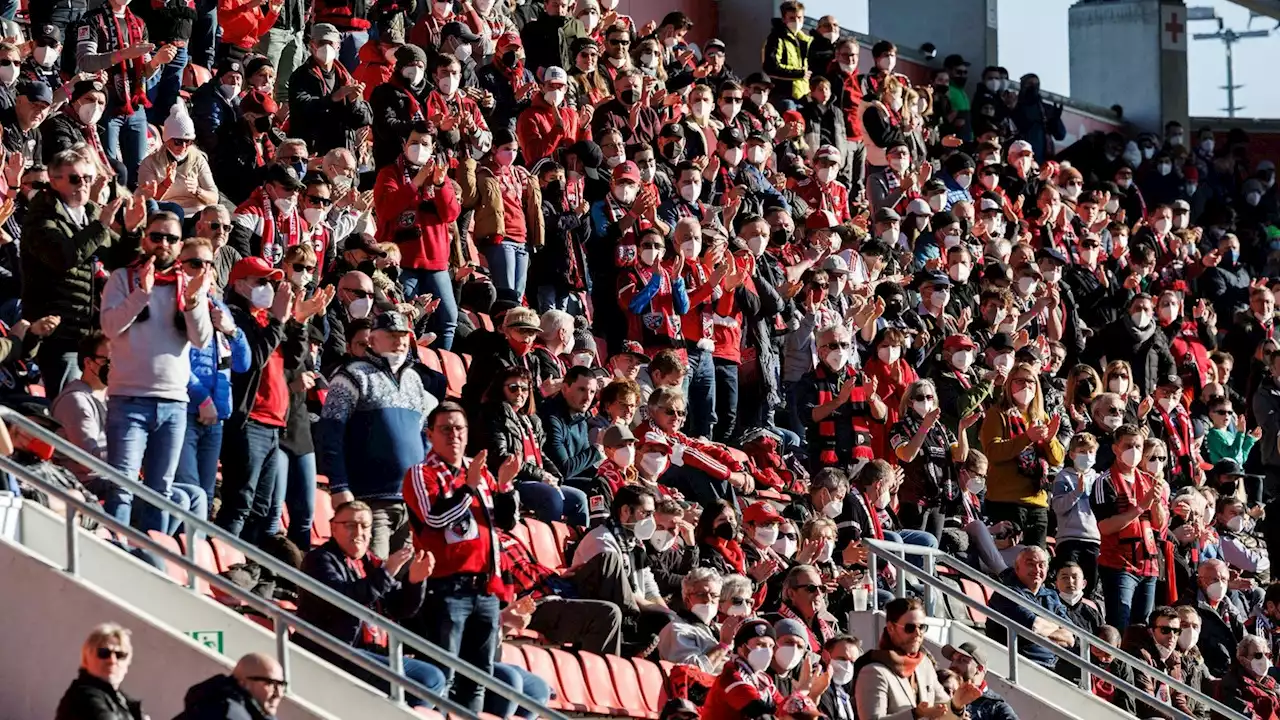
(220, 698)
(89, 698)
(234, 165)
(58, 132)
(391, 111)
(1149, 356)
(315, 117)
(543, 43)
(377, 590)
(1218, 637)
(1226, 287)
(504, 436)
(58, 268)
(263, 341)
(491, 353)
(565, 239)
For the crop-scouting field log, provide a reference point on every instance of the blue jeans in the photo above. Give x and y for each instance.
(550, 503)
(146, 434)
(349, 50)
(199, 459)
(165, 92)
(56, 368)
(204, 35)
(279, 488)
(508, 265)
(426, 674)
(300, 496)
(190, 497)
(125, 139)
(248, 479)
(1127, 596)
(700, 389)
(549, 297)
(437, 282)
(913, 537)
(532, 686)
(465, 624)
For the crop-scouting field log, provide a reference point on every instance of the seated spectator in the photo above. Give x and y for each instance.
(180, 170)
(744, 688)
(791, 656)
(700, 470)
(95, 693)
(694, 637)
(1247, 687)
(736, 597)
(1241, 548)
(1102, 657)
(672, 552)
(81, 407)
(1194, 672)
(1157, 644)
(346, 565)
(253, 690)
(970, 666)
(1073, 592)
(803, 600)
(565, 417)
(617, 404)
(899, 678)
(1265, 619)
(761, 529)
(1026, 578)
(1222, 616)
(717, 538)
(618, 469)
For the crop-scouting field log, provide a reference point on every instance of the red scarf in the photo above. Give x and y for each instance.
(1179, 437)
(342, 78)
(370, 635)
(90, 133)
(730, 550)
(290, 224)
(815, 643)
(169, 276)
(127, 79)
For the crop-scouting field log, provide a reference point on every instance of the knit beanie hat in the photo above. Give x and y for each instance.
(179, 124)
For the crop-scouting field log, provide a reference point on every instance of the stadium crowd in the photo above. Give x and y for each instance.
(726, 323)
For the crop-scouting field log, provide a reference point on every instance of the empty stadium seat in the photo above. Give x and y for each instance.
(538, 661)
(600, 683)
(205, 559)
(626, 683)
(429, 712)
(455, 372)
(511, 655)
(321, 530)
(173, 569)
(976, 593)
(225, 555)
(521, 533)
(573, 682)
(651, 683)
(428, 357)
(543, 543)
(480, 321)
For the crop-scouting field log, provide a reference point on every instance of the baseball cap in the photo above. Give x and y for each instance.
(626, 171)
(555, 74)
(964, 650)
(656, 440)
(392, 322)
(84, 87)
(631, 347)
(713, 44)
(761, 512)
(256, 101)
(616, 435)
(958, 342)
(458, 30)
(251, 267)
(356, 241)
(1001, 342)
(37, 92)
(325, 32)
(758, 78)
(730, 136)
(1051, 253)
(935, 278)
(919, 206)
(673, 130)
(888, 214)
(821, 220)
(47, 34)
(229, 65)
(829, 153)
(283, 174)
(835, 265)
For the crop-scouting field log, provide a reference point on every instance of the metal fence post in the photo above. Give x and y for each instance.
(73, 542)
(1085, 675)
(282, 646)
(1011, 639)
(395, 660)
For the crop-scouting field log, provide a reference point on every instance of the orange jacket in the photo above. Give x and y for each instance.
(243, 21)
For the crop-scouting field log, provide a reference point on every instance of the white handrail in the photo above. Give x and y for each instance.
(397, 634)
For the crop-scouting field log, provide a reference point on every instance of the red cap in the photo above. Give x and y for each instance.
(626, 171)
(959, 342)
(256, 101)
(761, 513)
(506, 41)
(1190, 172)
(792, 116)
(252, 267)
(821, 220)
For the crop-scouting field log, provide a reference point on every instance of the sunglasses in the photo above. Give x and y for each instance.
(517, 387)
(78, 180)
(675, 413)
(820, 286)
(815, 589)
(840, 345)
(1260, 655)
(5, 62)
(321, 201)
(299, 267)
(619, 43)
(360, 294)
(740, 601)
(789, 536)
(1160, 458)
(912, 628)
(166, 238)
(182, 142)
(107, 653)
(216, 225)
(281, 684)
(196, 263)
(734, 100)
(923, 398)
(1166, 630)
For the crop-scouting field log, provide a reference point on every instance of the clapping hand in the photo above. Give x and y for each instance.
(475, 471)
(421, 568)
(507, 472)
(283, 302)
(147, 275)
(198, 286)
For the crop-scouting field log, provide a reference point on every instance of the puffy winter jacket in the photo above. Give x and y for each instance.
(221, 698)
(211, 368)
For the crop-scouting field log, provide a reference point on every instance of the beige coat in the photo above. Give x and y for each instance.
(156, 167)
(880, 694)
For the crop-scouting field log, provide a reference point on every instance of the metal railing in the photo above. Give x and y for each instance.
(894, 554)
(398, 637)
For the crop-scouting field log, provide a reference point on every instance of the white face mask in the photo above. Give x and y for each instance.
(1071, 598)
(8, 74)
(759, 98)
(413, 74)
(937, 202)
(729, 110)
(1215, 591)
(395, 360)
(662, 540)
(889, 355)
(887, 63)
(895, 102)
(766, 536)
(1131, 457)
(755, 156)
(229, 91)
(1260, 666)
(738, 611)
(315, 216)
(760, 658)
(884, 500)
(962, 360)
(786, 547)
(1027, 285)
(826, 175)
(950, 240)
(837, 359)
(976, 485)
(653, 464)
(325, 54)
(1083, 461)
(889, 236)
(649, 256)
(1110, 423)
(463, 53)
(700, 109)
(964, 180)
(794, 25)
(626, 194)
(644, 529)
(448, 84)
(1003, 361)
(922, 408)
(756, 245)
(841, 672)
(1113, 206)
(1236, 524)
(828, 549)
(833, 509)
(732, 157)
(1167, 313)
(45, 56)
(706, 612)
(554, 97)
(788, 656)
(899, 164)
(1024, 396)
(285, 204)
(691, 193)
(1188, 638)
(1163, 225)
(262, 296)
(89, 113)
(623, 456)
(1140, 319)
(360, 308)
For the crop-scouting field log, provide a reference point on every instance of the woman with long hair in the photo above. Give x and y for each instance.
(1021, 443)
(1083, 385)
(931, 457)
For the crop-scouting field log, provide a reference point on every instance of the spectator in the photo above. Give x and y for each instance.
(1026, 578)
(1221, 616)
(81, 407)
(180, 171)
(694, 638)
(1247, 687)
(253, 690)
(786, 54)
(215, 103)
(326, 104)
(566, 415)
(1073, 592)
(508, 213)
(968, 662)
(743, 689)
(95, 694)
(1078, 540)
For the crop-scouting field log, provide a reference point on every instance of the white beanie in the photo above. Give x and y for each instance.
(179, 124)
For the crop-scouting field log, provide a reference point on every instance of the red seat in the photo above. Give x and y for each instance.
(428, 357)
(225, 554)
(600, 683)
(480, 321)
(543, 543)
(175, 571)
(455, 371)
(564, 534)
(626, 683)
(466, 361)
(205, 559)
(651, 683)
(538, 661)
(765, 493)
(975, 592)
(511, 655)
(602, 348)
(36, 390)
(321, 531)
(573, 682)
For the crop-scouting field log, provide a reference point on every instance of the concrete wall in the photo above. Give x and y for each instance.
(132, 584)
(47, 615)
(966, 27)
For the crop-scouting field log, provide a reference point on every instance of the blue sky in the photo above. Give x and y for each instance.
(1033, 38)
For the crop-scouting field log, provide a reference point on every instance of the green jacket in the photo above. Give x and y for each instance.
(786, 60)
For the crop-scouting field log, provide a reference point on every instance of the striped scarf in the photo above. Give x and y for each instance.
(127, 79)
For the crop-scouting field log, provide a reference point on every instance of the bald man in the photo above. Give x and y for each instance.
(253, 691)
(354, 301)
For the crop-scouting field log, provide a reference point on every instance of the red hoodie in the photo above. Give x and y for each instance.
(538, 133)
(399, 205)
(243, 21)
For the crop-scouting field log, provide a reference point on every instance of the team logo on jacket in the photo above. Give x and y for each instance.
(407, 217)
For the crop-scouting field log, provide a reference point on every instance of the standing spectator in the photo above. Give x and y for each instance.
(550, 123)
(246, 146)
(253, 691)
(371, 430)
(508, 213)
(81, 407)
(95, 694)
(282, 44)
(456, 504)
(786, 54)
(154, 311)
(242, 25)
(217, 102)
(326, 105)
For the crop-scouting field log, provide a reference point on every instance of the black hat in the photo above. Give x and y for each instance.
(1051, 253)
(588, 153)
(674, 130)
(1001, 342)
(582, 43)
(392, 322)
(759, 136)
(953, 61)
(713, 44)
(37, 412)
(968, 649)
(757, 78)
(356, 241)
(931, 277)
(957, 162)
(1169, 381)
(84, 87)
(943, 219)
(36, 91)
(47, 33)
(887, 214)
(406, 54)
(507, 298)
(229, 65)
(730, 136)
(458, 30)
(283, 174)
(753, 628)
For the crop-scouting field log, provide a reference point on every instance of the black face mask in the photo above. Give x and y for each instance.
(779, 237)
(894, 305)
(104, 372)
(553, 192)
(367, 267)
(629, 96)
(1084, 388)
(726, 531)
(262, 124)
(673, 151)
(510, 58)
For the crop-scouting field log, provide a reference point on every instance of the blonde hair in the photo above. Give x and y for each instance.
(100, 635)
(1114, 367)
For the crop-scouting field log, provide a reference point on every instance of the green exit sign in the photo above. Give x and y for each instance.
(211, 639)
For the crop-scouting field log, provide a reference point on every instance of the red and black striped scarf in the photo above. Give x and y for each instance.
(815, 643)
(172, 275)
(90, 133)
(128, 78)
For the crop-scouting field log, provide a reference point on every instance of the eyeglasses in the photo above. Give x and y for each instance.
(1260, 655)
(196, 263)
(650, 246)
(789, 536)
(166, 238)
(104, 653)
(820, 286)
(299, 267)
(734, 100)
(1120, 376)
(281, 684)
(355, 524)
(260, 281)
(360, 294)
(517, 387)
(739, 601)
(912, 628)
(6, 62)
(674, 412)
(815, 589)
(321, 201)
(78, 180)
(218, 225)
(1160, 458)
(839, 345)
(923, 398)
(1166, 630)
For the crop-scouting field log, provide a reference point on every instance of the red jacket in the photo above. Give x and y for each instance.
(243, 21)
(834, 196)
(374, 68)
(538, 133)
(711, 458)
(737, 688)
(416, 219)
(726, 311)
(454, 522)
